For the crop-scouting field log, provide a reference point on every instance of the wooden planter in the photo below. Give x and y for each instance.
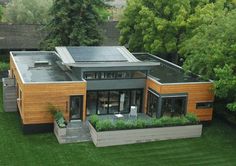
(59, 132)
(121, 137)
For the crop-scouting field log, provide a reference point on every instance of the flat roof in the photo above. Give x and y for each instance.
(167, 72)
(41, 66)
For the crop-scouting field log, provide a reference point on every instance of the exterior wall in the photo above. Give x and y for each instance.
(116, 84)
(197, 92)
(36, 97)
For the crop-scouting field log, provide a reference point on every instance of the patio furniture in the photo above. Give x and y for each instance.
(119, 116)
(133, 111)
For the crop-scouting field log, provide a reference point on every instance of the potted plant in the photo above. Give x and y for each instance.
(59, 120)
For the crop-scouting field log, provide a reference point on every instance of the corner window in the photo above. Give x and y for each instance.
(204, 105)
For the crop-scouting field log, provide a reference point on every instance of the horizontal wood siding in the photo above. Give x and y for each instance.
(199, 92)
(38, 96)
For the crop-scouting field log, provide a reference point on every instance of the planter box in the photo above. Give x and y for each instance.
(121, 137)
(59, 132)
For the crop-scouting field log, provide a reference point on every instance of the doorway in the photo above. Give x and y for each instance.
(76, 107)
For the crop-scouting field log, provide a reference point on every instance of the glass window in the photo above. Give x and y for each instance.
(110, 75)
(124, 101)
(122, 75)
(102, 102)
(204, 105)
(152, 105)
(138, 74)
(136, 99)
(91, 75)
(114, 102)
(173, 106)
(91, 103)
(115, 75)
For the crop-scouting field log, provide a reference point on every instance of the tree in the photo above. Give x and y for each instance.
(1, 12)
(75, 23)
(27, 11)
(211, 49)
(156, 26)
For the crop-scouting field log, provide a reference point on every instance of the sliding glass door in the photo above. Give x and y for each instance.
(113, 101)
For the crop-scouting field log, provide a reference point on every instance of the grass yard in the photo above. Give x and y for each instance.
(217, 146)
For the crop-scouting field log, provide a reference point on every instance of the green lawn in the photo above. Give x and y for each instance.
(217, 146)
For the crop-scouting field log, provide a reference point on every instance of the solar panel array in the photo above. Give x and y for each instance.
(96, 54)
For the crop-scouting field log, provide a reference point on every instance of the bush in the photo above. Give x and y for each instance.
(103, 125)
(58, 115)
(93, 119)
(4, 66)
(192, 117)
(108, 124)
(120, 124)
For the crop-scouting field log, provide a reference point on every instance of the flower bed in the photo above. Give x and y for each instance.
(108, 133)
(121, 124)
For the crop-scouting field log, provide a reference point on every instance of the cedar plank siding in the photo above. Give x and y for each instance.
(197, 92)
(37, 96)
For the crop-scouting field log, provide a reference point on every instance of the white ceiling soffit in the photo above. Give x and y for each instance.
(65, 55)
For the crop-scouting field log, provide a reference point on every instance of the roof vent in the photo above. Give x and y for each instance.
(41, 63)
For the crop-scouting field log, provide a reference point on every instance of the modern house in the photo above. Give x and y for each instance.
(101, 80)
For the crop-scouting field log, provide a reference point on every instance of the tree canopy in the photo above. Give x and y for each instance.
(211, 49)
(156, 26)
(1, 12)
(75, 23)
(200, 31)
(27, 11)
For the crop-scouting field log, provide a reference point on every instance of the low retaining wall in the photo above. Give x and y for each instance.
(121, 137)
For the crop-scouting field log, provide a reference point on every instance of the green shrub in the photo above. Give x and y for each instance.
(108, 124)
(192, 117)
(58, 115)
(93, 119)
(130, 124)
(4, 66)
(103, 125)
(165, 120)
(140, 123)
(120, 124)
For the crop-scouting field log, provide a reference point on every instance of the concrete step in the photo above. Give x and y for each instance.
(74, 139)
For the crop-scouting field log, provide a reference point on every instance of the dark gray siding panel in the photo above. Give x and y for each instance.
(116, 84)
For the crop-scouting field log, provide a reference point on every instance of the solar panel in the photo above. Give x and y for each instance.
(96, 54)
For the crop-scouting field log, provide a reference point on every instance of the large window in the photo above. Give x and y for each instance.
(124, 101)
(152, 106)
(92, 104)
(166, 105)
(103, 102)
(109, 75)
(114, 101)
(173, 106)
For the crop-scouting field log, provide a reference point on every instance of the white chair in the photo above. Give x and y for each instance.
(133, 111)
